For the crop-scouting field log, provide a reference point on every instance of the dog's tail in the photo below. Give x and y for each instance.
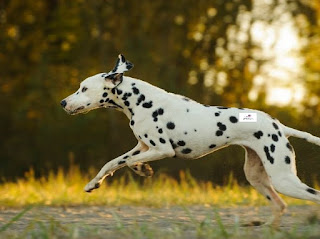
(301, 134)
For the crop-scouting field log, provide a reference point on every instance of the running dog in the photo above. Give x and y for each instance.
(171, 125)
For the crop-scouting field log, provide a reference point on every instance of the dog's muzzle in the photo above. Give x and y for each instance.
(63, 103)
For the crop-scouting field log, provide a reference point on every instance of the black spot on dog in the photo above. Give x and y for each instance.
(186, 151)
(212, 146)
(221, 126)
(233, 119)
(289, 146)
(135, 90)
(268, 197)
(152, 143)
(147, 104)
(272, 148)
(160, 131)
(269, 135)
(132, 122)
(219, 133)
(140, 99)
(188, 110)
(171, 125)
(162, 141)
(88, 104)
(126, 95)
(222, 108)
(185, 133)
(186, 99)
(269, 157)
(136, 152)
(127, 103)
(217, 114)
(113, 91)
(107, 100)
(160, 111)
(105, 94)
(133, 84)
(173, 144)
(125, 157)
(275, 125)
(275, 138)
(121, 162)
(119, 92)
(146, 136)
(101, 101)
(279, 133)
(258, 134)
(155, 114)
(312, 191)
(181, 143)
(115, 104)
(287, 160)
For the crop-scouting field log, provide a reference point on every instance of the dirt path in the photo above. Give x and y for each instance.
(107, 218)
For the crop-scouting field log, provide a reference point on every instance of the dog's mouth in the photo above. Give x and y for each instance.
(77, 111)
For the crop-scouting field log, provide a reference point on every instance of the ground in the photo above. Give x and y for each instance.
(170, 222)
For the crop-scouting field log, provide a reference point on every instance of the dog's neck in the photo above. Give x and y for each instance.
(133, 95)
(128, 96)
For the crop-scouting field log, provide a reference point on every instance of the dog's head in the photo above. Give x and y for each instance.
(96, 91)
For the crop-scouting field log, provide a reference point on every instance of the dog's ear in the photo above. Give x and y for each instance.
(122, 65)
(115, 79)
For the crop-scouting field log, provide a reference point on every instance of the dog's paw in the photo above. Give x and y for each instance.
(91, 186)
(143, 169)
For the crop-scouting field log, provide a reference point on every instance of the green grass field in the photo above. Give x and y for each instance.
(161, 191)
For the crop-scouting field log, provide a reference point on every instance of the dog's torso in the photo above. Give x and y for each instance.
(193, 129)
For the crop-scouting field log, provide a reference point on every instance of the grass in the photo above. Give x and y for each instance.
(66, 189)
(209, 227)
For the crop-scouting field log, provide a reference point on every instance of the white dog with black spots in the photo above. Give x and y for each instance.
(170, 125)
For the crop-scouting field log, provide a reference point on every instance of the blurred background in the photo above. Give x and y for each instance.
(262, 54)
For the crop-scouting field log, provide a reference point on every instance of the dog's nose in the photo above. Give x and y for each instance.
(63, 103)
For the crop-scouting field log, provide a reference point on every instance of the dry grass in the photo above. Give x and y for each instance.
(67, 189)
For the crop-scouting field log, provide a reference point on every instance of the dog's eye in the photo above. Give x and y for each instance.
(84, 89)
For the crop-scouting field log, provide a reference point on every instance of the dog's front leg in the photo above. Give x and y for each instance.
(140, 154)
(113, 165)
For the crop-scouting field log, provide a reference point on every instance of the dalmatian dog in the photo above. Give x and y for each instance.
(171, 125)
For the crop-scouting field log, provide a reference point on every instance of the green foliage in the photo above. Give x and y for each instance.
(48, 47)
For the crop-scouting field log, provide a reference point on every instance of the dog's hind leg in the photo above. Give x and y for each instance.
(258, 178)
(279, 163)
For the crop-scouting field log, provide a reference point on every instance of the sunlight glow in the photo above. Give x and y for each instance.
(284, 96)
(279, 45)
